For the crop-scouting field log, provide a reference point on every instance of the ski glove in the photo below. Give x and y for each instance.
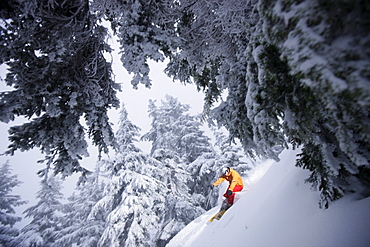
(229, 192)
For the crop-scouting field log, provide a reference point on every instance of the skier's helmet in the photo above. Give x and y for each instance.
(226, 171)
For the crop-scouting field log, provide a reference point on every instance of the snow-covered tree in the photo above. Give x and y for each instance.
(7, 204)
(180, 206)
(325, 50)
(46, 216)
(134, 197)
(176, 142)
(229, 153)
(78, 229)
(135, 201)
(294, 72)
(54, 53)
(193, 142)
(204, 171)
(174, 130)
(145, 30)
(164, 133)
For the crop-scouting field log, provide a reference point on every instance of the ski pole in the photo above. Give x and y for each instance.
(209, 197)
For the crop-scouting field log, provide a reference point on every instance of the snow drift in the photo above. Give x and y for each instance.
(279, 209)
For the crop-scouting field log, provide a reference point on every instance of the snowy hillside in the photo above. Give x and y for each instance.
(279, 209)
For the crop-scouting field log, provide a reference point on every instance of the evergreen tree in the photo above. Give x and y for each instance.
(175, 131)
(78, 228)
(204, 171)
(134, 197)
(176, 141)
(145, 30)
(293, 72)
(229, 154)
(328, 114)
(134, 200)
(54, 52)
(193, 142)
(7, 204)
(180, 206)
(164, 133)
(46, 216)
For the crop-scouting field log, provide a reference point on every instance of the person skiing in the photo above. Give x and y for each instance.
(235, 184)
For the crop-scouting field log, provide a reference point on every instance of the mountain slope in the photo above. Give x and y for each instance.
(280, 210)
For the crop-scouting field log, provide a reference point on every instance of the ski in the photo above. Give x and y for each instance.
(217, 216)
(224, 207)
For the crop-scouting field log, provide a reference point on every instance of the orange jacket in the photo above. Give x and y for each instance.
(233, 177)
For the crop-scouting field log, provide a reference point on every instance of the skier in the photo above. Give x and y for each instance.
(235, 184)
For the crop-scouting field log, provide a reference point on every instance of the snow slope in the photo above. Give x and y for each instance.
(279, 209)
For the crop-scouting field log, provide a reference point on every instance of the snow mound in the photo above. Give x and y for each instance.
(279, 209)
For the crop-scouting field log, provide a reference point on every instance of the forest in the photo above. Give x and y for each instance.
(295, 72)
(132, 198)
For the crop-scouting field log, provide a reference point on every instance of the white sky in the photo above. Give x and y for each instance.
(25, 165)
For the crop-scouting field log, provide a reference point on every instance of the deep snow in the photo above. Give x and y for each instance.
(279, 209)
